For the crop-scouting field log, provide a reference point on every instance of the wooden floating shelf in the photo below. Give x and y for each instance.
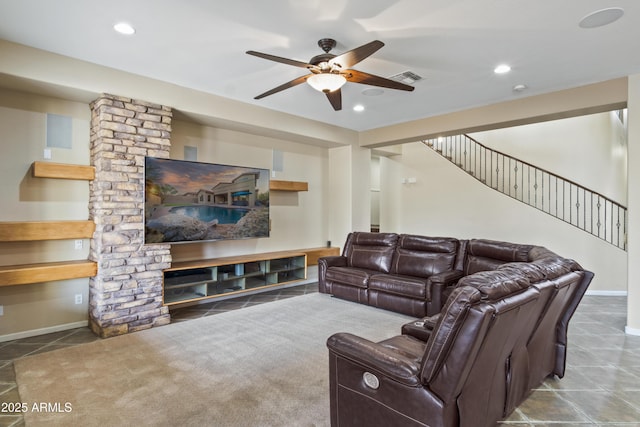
(63, 171)
(45, 230)
(46, 272)
(277, 185)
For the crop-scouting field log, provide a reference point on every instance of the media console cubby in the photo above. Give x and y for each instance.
(189, 281)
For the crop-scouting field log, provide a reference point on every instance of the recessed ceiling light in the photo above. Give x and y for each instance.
(358, 107)
(602, 17)
(519, 88)
(501, 69)
(124, 28)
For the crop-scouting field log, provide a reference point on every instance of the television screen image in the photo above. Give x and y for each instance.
(187, 201)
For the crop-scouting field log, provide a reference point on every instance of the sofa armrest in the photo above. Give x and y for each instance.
(376, 357)
(323, 264)
(446, 278)
(417, 329)
(440, 286)
(333, 261)
(421, 328)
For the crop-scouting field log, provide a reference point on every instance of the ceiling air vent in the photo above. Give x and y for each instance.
(407, 77)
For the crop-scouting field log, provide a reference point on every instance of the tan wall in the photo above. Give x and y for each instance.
(23, 139)
(595, 143)
(445, 201)
(633, 300)
(46, 307)
(291, 213)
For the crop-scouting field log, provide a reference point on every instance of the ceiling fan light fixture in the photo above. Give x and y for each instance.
(124, 28)
(326, 82)
(502, 69)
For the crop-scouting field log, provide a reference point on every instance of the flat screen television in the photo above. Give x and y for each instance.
(186, 201)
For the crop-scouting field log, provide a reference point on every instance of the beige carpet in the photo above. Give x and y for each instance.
(265, 365)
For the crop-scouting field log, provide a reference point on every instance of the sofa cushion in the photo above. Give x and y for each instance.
(447, 329)
(483, 255)
(547, 267)
(554, 266)
(408, 286)
(372, 251)
(349, 276)
(532, 271)
(496, 284)
(423, 256)
(550, 263)
(409, 347)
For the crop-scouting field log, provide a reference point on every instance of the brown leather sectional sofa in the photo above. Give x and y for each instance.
(501, 332)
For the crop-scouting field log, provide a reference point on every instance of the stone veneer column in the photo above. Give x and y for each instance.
(126, 294)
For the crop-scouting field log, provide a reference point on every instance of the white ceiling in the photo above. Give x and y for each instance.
(453, 44)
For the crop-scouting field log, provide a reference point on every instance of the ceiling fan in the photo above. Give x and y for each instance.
(330, 72)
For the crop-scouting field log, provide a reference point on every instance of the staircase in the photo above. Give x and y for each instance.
(559, 197)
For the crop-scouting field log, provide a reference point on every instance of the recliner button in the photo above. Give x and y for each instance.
(371, 380)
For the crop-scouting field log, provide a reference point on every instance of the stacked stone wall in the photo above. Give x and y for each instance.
(126, 294)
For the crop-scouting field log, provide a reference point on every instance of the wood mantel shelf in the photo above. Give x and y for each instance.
(46, 272)
(23, 231)
(277, 185)
(63, 171)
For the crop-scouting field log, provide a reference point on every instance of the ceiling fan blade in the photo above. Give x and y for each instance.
(335, 98)
(355, 76)
(284, 86)
(280, 59)
(352, 57)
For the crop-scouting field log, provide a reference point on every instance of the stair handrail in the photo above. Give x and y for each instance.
(620, 242)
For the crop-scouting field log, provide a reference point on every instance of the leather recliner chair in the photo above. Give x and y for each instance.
(469, 369)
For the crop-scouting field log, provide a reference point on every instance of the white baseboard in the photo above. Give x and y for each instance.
(631, 331)
(43, 331)
(607, 293)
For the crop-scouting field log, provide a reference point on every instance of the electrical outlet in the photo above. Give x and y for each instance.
(78, 298)
(47, 154)
(1, 310)
(78, 245)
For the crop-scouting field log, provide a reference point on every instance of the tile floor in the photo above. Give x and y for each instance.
(601, 386)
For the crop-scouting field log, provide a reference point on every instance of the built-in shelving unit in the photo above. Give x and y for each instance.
(22, 231)
(190, 281)
(193, 281)
(276, 185)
